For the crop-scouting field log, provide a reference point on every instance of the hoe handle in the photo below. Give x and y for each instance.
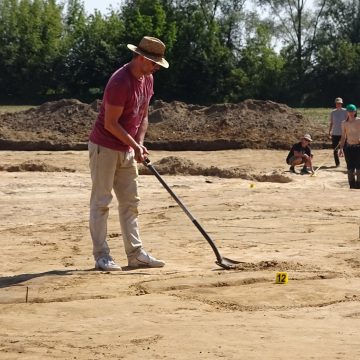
(148, 164)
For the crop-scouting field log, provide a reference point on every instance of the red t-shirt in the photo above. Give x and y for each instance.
(123, 89)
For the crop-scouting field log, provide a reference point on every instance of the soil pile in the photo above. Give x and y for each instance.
(56, 125)
(34, 165)
(172, 165)
(256, 124)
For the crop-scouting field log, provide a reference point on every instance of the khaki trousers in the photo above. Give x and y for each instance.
(113, 170)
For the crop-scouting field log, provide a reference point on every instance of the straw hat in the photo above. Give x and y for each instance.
(307, 137)
(152, 49)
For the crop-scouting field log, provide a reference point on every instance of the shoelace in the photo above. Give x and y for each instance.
(109, 259)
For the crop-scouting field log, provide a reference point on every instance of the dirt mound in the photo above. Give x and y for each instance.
(249, 124)
(64, 122)
(65, 125)
(270, 265)
(173, 165)
(34, 165)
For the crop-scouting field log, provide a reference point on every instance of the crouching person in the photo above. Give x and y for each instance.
(300, 153)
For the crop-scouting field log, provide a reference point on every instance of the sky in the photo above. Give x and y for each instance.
(102, 5)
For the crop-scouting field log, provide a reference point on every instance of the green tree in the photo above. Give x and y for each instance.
(340, 20)
(29, 45)
(152, 18)
(259, 71)
(9, 47)
(297, 25)
(201, 62)
(92, 53)
(336, 73)
(232, 22)
(335, 59)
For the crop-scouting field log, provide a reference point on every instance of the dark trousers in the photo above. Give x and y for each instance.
(335, 139)
(352, 158)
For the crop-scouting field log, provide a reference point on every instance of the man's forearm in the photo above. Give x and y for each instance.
(342, 140)
(140, 136)
(118, 131)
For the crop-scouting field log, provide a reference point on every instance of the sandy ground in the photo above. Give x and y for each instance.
(191, 308)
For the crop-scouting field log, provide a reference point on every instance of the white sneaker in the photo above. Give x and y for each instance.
(106, 263)
(143, 259)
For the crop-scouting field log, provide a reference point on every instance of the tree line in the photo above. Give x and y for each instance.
(299, 52)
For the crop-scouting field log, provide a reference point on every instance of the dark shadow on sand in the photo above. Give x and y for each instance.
(17, 279)
(8, 281)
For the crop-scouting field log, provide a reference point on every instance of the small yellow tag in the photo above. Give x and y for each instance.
(282, 278)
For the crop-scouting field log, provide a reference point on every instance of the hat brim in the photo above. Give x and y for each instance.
(307, 139)
(157, 59)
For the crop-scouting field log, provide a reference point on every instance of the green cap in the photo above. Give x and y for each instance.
(351, 107)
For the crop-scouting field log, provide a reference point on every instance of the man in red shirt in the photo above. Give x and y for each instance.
(116, 145)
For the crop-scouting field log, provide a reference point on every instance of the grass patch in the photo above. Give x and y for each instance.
(317, 115)
(14, 108)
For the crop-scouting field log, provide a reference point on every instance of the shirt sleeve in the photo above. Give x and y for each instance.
(297, 147)
(116, 92)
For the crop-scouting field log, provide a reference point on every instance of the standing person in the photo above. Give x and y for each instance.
(350, 146)
(337, 116)
(116, 145)
(300, 153)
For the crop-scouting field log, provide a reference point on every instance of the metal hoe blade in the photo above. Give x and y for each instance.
(223, 262)
(228, 263)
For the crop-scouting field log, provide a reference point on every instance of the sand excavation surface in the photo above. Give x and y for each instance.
(54, 305)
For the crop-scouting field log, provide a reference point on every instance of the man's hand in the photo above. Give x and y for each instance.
(341, 152)
(140, 153)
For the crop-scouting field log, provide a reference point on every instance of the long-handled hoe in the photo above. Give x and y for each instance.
(325, 161)
(224, 262)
